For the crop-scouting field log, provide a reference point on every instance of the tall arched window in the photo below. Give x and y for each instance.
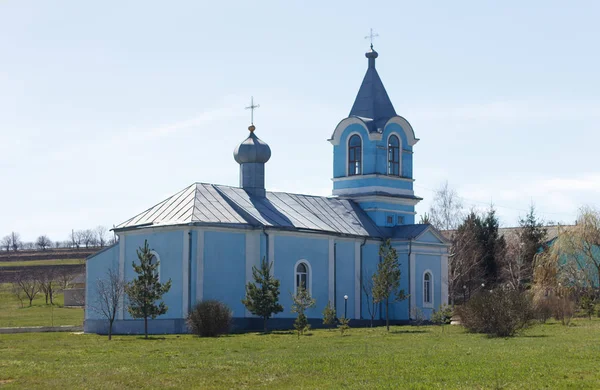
(393, 156)
(354, 155)
(302, 276)
(427, 289)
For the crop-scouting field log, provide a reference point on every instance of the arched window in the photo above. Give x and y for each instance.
(354, 155)
(156, 259)
(427, 289)
(393, 156)
(302, 276)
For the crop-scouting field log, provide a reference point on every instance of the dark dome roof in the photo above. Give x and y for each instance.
(252, 150)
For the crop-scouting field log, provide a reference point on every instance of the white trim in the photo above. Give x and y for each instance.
(436, 234)
(271, 251)
(178, 227)
(408, 130)
(375, 136)
(413, 297)
(322, 236)
(344, 123)
(387, 147)
(121, 313)
(357, 292)
(369, 189)
(390, 211)
(331, 279)
(387, 199)
(185, 265)
(252, 257)
(200, 266)
(372, 176)
(309, 274)
(362, 152)
(428, 305)
(444, 280)
(155, 254)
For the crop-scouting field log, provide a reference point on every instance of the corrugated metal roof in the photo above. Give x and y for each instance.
(216, 204)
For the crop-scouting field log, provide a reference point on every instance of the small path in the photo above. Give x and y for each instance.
(37, 329)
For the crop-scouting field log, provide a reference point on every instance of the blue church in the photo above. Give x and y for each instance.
(208, 237)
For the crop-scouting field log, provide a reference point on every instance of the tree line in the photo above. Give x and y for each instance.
(77, 239)
(27, 284)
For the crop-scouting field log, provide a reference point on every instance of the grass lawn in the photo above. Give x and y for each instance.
(31, 263)
(40, 314)
(546, 356)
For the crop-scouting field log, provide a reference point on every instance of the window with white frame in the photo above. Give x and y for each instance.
(354, 155)
(302, 276)
(393, 156)
(427, 289)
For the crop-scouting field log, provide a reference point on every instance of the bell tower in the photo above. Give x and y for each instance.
(373, 154)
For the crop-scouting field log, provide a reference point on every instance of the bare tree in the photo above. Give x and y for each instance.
(28, 284)
(110, 292)
(514, 269)
(372, 305)
(88, 238)
(464, 262)
(15, 241)
(64, 277)
(27, 245)
(43, 242)
(101, 235)
(75, 239)
(446, 211)
(47, 282)
(6, 243)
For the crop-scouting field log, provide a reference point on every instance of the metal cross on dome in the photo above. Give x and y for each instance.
(371, 36)
(252, 107)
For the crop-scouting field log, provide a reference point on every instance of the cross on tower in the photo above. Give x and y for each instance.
(252, 107)
(371, 36)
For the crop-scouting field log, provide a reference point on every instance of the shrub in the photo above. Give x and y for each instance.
(301, 324)
(563, 309)
(344, 324)
(588, 305)
(543, 309)
(329, 315)
(209, 318)
(499, 312)
(442, 316)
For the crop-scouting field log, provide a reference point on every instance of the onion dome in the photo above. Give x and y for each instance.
(252, 150)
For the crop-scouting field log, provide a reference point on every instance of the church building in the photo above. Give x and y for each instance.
(208, 237)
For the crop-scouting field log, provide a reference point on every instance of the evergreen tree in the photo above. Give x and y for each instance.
(386, 281)
(329, 315)
(493, 246)
(300, 303)
(465, 270)
(532, 237)
(145, 290)
(262, 296)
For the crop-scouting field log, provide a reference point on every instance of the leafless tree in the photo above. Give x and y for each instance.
(18, 292)
(372, 305)
(6, 243)
(75, 239)
(446, 211)
(46, 279)
(110, 292)
(15, 241)
(101, 235)
(64, 277)
(514, 269)
(28, 245)
(28, 284)
(464, 262)
(43, 242)
(88, 238)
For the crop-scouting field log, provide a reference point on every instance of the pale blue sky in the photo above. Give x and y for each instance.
(107, 108)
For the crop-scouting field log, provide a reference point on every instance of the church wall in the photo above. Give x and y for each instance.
(340, 151)
(97, 267)
(380, 180)
(169, 247)
(369, 267)
(399, 310)
(288, 251)
(224, 269)
(432, 263)
(344, 276)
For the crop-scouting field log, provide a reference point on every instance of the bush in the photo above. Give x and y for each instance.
(543, 309)
(344, 324)
(301, 324)
(209, 319)
(588, 305)
(442, 316)
(329, 315)
(563, 309)
(499, 312)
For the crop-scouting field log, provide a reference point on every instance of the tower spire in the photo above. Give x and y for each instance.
(371, 36)
(252, 107)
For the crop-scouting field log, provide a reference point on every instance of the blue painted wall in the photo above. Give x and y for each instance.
(431, 262)
(225, 269)
(344, 274)
(169, 246)
(96, 268)
(290, 249)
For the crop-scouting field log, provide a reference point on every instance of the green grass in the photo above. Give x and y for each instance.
(32, 263)
(40, 314)
(546, 356)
